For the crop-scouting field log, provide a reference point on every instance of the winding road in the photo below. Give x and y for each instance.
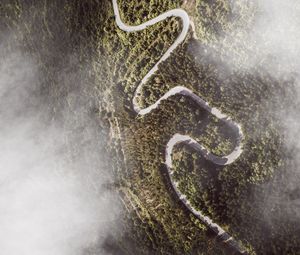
(179, 138)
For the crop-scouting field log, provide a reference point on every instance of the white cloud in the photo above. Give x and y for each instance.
(48, 205)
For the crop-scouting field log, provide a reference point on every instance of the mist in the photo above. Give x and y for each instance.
(271, 42)
(52, 201)
(262, 39)
(263, 35)
(276, 34)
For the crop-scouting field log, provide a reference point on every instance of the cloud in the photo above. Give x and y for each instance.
(263, 37)
(265, 33)
(51, 203)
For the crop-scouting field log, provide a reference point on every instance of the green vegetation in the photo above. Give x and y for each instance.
(225, 194)
(233, 195)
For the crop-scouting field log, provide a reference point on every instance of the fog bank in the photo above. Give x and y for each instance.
(51, 202)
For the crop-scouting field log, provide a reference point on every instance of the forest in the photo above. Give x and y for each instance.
(234, 195)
